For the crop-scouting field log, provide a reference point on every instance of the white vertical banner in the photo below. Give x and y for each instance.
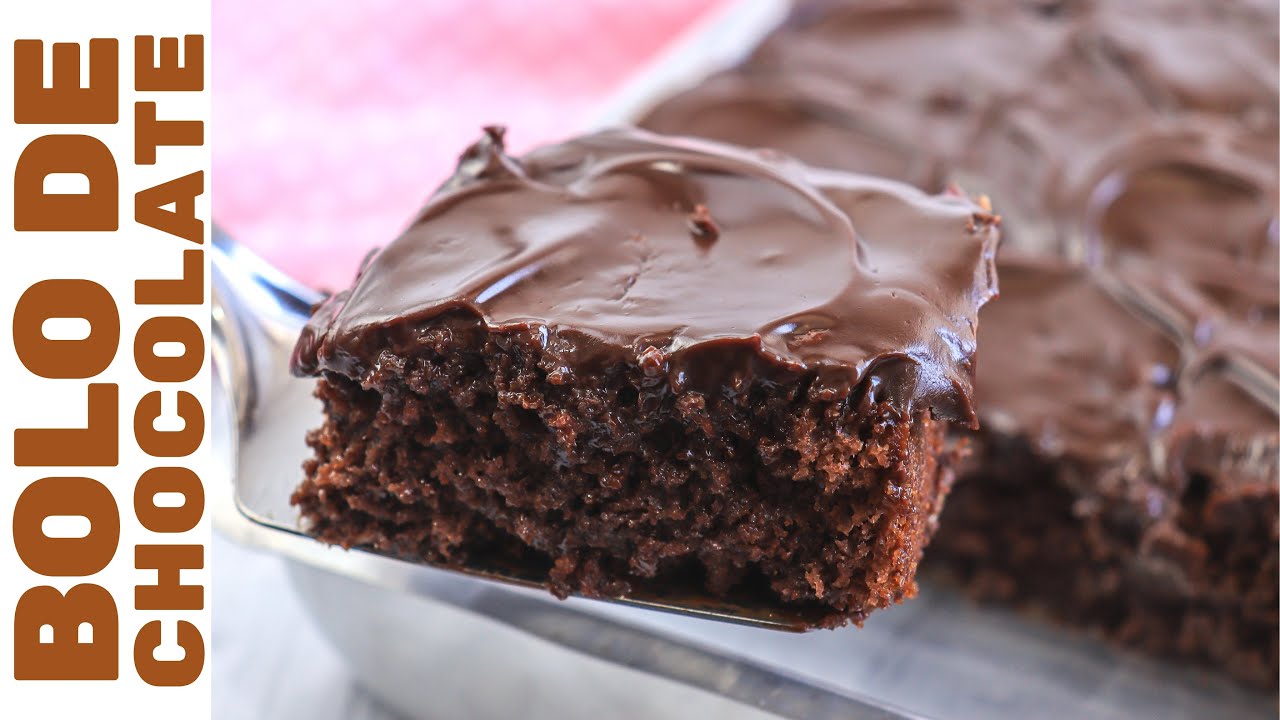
(105, 369)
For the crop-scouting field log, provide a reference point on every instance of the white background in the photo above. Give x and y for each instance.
(114, 261)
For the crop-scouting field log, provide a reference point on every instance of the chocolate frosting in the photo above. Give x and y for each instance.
(1074, 330)
(1132, 149)
(1129, 374)
(695, 260)
(1112, 367)
(818, 120)
(1019, 99)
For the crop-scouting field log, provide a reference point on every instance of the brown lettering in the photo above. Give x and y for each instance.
(168, 75)
(94, 445)
(66, 102)
(150, 133)
(169, 443)
(169, 673)
(178, 519)
(95, 211)
(157, 368)
(66, 496)
(66, 359)
(148, 207)
(66, 658)
(187, 290)
(168, 593)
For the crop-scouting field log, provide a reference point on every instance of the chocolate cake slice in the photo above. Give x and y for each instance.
(637, 366)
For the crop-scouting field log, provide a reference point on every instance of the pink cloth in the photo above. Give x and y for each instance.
(331, 125)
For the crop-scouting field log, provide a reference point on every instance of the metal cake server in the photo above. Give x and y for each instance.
(257, 314)
(400, 626)
(398, 622)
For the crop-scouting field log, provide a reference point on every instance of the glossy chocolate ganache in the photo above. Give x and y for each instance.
(696, 260)
(1125, 476)
(636, 366)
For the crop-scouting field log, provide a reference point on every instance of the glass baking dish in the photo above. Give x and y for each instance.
(425, 638)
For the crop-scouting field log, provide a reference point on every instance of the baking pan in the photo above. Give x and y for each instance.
(431, 642)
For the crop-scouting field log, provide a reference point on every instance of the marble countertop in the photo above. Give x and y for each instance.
(269, 661)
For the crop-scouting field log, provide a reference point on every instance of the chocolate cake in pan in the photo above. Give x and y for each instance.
(629, 364)
(1125, 473)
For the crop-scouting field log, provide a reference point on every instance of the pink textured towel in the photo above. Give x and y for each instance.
(331, 125)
